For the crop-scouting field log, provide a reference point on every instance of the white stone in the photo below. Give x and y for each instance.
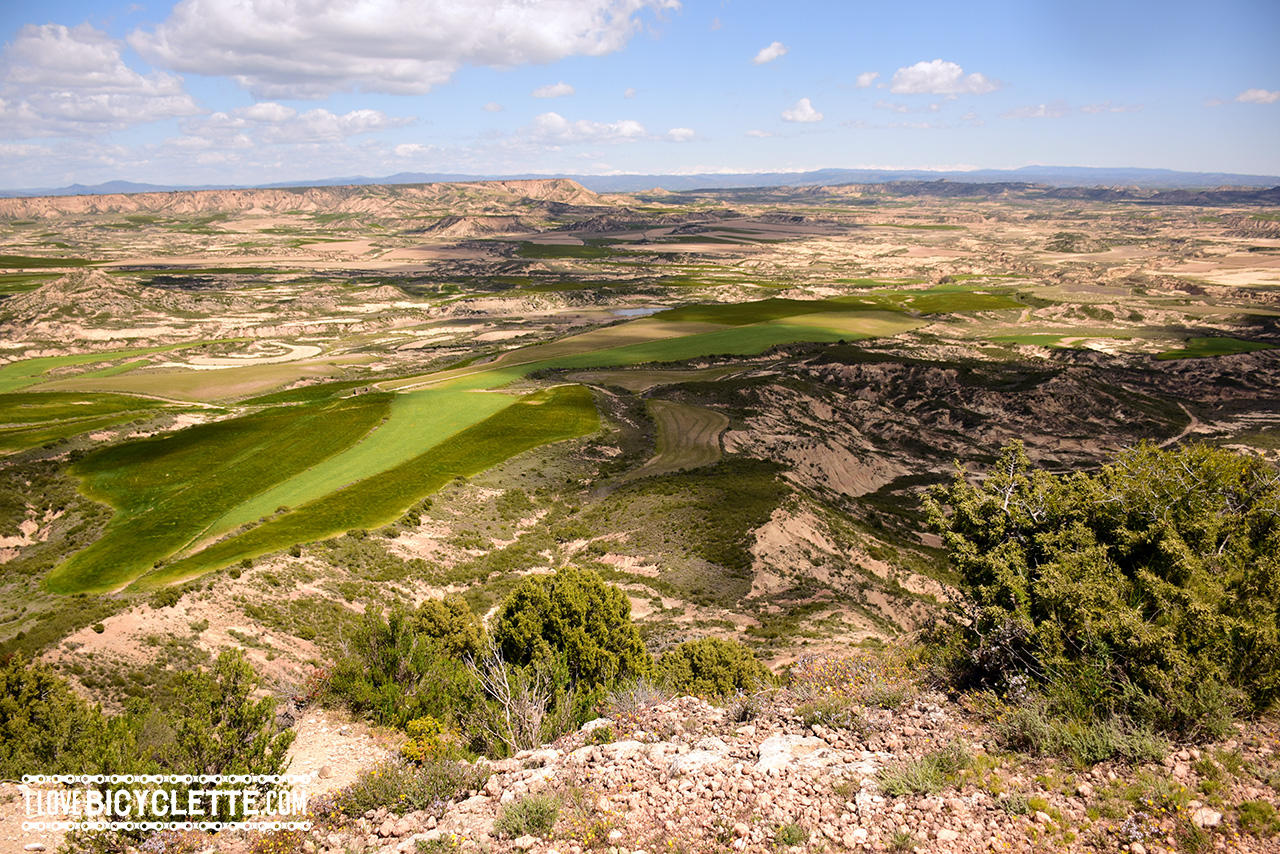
(779, 751)
(620, 750)
(693, 762)
(1206, 817)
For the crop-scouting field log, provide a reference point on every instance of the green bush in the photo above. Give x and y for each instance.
(399, 666)
(532, 815)
(402, 788)
(791, 834)
(835, 713)
(930, 773)
(711, 667)
(574, 618)
(1149, 590)
(217, 727)
(45, 728)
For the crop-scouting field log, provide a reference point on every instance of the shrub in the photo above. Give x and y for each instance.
(428, 739)
(45, 727)
(575, 618)
(926, 775)
(217, 727)
(711, 667)
(392, 669)
(835, 713)
(790, 834)
(532, 815)
(1149, 590)
(403, 788)
(452, 625)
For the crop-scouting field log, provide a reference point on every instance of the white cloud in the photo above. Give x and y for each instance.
(412, 149)
(492, 107)
(1108, 107)
(1055, 110)
(893, 106)
(770, 53)
(760, 134)
(273, 124)
(630, 92)
(312, 48)
(1257, 96)
(803, 111)
(555, 128)
(59, 80)
(681, 134)
(939, 78)
(1214, 102)
(866, 78)
(554, 90)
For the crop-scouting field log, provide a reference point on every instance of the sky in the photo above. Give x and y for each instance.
(250, 92)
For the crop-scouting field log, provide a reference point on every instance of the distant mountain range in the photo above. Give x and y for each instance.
(1057, 176)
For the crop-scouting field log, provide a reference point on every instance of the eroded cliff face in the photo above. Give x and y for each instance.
(401, 199)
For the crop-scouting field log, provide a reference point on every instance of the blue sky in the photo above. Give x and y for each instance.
(258, 91)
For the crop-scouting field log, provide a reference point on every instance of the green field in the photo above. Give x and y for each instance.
(1199, 348)
(536, 419)
(198, 386)
(688, 437)
(19, 283)
(641, 380)
(28, 372)
(168, 489)
(31, 419)
(563, 250)
(12, 262)
(417, 421)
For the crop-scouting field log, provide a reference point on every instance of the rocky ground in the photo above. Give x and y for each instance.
(760, 774)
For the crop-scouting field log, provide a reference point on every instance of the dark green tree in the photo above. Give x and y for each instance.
(1149, 589)
(218, 728)
(450, 623)
(711, 667)
(45, 728)
(402, 665)
(574, 618)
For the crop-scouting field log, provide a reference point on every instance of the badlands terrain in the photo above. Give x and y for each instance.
(241, 418)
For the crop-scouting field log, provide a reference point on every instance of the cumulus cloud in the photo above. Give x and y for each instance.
(554, 90)
(60, 80)
(1055, 110)
(412, 149)
(803, 111)
(866, 78)
(492, 107)
(770, 53)
(630, 92)
(680, 135)
(1257, 96)
(939, 78)
(312, 48)
(555, 128)
(272, 124)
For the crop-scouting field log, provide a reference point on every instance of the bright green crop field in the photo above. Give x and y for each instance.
(536, 419)
(167, 490)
